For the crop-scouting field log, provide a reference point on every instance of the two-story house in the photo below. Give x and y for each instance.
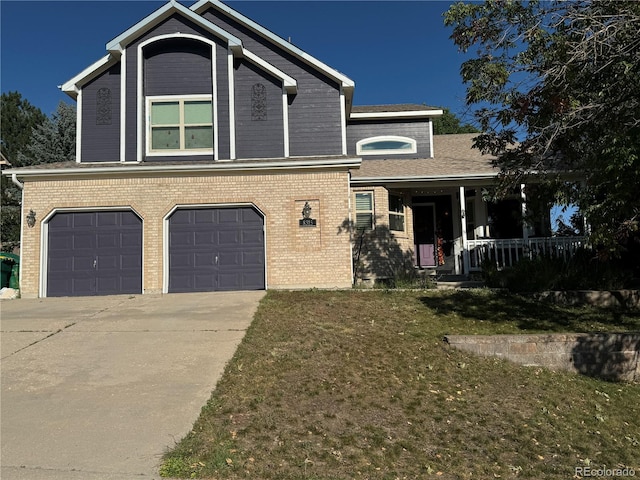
(214, 155)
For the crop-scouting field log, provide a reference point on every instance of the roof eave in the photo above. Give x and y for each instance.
(259, 165)
(422, 178)
(72, 87)
(392, 115)
(289, 84)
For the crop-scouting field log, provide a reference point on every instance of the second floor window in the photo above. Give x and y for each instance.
(180, 125)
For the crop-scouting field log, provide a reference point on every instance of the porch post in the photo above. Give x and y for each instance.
(525, 227)
(463, 231)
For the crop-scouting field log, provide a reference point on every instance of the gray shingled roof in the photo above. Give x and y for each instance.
(454, 156)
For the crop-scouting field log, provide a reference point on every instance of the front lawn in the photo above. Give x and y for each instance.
(360, 385)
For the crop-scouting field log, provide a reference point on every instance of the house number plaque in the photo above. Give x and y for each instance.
(306, 220)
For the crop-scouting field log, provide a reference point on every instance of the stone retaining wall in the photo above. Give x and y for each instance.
(613, 356)
(600, 298)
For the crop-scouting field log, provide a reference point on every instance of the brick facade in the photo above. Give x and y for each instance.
(384, 253)
(296, 257)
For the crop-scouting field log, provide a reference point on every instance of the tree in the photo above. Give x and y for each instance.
(54, 140)
(556, 91)
(28, 138)
(449, 123)
(19, 118)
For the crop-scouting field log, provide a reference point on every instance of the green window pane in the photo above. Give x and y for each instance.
(198, 137)
(197, 112)
(364, 201)
(165, 113)
(386, 145)
(165, 138)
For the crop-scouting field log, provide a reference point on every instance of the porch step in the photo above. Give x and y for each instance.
(457, 281)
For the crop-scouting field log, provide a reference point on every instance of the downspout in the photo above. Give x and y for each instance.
(14, 179)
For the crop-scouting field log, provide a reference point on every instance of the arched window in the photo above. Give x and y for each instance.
(386, 145)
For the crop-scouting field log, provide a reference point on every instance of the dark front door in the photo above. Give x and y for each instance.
(425, 235)
(213, 249)
(94, 253)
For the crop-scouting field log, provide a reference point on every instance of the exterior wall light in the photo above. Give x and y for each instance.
(31, 218)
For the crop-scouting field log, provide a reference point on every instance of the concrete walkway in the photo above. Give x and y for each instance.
(98, 388)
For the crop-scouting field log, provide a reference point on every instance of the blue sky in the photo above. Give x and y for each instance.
(395, 51)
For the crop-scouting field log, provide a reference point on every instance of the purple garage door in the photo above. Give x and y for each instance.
(215, 249)
(94, 253)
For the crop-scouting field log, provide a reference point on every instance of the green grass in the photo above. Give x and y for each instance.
(359, 385)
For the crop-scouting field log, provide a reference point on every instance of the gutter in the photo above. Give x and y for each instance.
(413, 179)
(132, 168)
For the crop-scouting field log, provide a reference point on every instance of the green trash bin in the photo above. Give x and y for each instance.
(10, 268)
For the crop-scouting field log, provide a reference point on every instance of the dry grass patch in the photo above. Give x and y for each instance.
(359, 385)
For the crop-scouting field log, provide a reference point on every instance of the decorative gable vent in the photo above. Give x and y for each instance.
(103, 107)
(258, 102)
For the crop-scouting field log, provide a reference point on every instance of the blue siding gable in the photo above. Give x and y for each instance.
(100, 118)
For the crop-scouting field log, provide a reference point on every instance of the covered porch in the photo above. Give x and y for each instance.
(433, 215)
(456, 230)
(451, 229)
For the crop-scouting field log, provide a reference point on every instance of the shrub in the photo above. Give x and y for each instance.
(584, 271)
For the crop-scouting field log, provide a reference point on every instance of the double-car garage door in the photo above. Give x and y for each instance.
(100, 253)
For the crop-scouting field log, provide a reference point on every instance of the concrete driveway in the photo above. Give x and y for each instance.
(97, 388)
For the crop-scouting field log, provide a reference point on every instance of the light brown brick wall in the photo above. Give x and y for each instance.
(384, 253)
(297, 257)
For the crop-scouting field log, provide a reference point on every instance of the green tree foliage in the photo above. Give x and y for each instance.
(556, 88)
(29, 137)
(54, 140)
(449, 123)
(19, 118)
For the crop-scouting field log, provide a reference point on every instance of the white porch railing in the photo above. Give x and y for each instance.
(506, 252)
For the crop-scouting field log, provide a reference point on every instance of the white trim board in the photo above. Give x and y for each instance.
(389, 115)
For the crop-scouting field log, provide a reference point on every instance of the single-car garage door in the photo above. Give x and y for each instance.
(94, 253)
(214, 249)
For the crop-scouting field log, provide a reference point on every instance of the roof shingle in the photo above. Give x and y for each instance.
(454, 156)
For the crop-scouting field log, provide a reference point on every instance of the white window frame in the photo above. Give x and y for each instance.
(386, 138)
(181, 99)
(397, 214)
(368, 212)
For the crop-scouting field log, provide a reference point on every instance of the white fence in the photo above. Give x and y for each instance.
(506, 252)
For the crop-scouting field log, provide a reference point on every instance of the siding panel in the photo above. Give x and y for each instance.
(174, 24)
(100, 134)
(258, 138)
(314, 113)
(222, 79)
(177, 67)
(418, 130)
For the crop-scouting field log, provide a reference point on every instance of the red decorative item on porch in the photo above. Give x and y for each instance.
(440, 251)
